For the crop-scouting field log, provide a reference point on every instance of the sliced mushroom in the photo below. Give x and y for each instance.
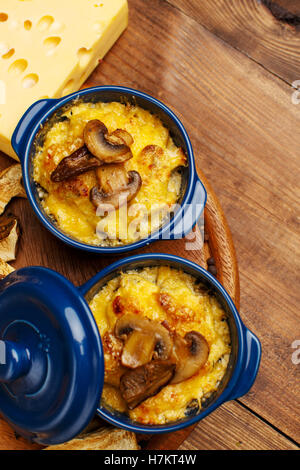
(190, 354)
(139, 384)
(10, 185)
(9, 234)
(192, 407)
(112, 177)
(109, 201)
(75, 164)
(113, 148)
(144, 340)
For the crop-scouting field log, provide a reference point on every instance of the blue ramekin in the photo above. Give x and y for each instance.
(245, 354)
(28, 131)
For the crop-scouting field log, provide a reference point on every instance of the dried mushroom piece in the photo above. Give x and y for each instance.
(5, 269)
(190, 354)
(75, 164)
(144, 339)
(109, 148)
(116, 187)
(10, 185)
(146, 381)
(9, 234)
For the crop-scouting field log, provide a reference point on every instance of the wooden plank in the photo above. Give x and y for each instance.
(245, 134)
(232, 427)
(267, 31)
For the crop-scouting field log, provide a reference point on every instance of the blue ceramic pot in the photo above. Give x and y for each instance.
(246, 350)
(27, 134)
(52, 378)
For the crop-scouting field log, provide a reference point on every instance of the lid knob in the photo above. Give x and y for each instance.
(51, 358)
(14, 361)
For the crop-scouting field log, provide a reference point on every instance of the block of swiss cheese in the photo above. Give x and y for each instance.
(48, 48)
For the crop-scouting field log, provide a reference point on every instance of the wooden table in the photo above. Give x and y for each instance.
(227, 68)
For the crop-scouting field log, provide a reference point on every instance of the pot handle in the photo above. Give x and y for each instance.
(250, 365)
(28, 120)
(192, 212)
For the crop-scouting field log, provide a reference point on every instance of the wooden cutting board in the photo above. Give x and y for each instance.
(38, 247)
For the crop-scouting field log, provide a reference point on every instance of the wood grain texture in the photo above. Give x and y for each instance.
(245, 134)
(244, 130)
(267, 31)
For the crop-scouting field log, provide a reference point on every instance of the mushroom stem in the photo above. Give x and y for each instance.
(139, 384)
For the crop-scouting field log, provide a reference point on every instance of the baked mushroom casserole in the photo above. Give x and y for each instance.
(108, 173)
(166, 344)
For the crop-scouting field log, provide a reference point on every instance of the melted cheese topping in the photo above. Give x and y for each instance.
(68, 202)
(162, 294)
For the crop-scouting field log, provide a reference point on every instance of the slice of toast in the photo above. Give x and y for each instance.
(103, 439)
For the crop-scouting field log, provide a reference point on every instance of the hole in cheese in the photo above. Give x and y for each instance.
(18, 67)
(84, 55)
(8, 54)
(51, 44)
(27, 25)
(30, 80)
(3, 17)
(45, 23)
(4, 48)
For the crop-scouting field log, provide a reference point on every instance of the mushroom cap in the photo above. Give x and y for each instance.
(190, 354)
(112, 148)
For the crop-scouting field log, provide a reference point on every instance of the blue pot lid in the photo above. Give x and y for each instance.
(51, 358)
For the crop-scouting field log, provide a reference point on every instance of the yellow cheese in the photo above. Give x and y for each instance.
(48, 48)
(162, 294)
